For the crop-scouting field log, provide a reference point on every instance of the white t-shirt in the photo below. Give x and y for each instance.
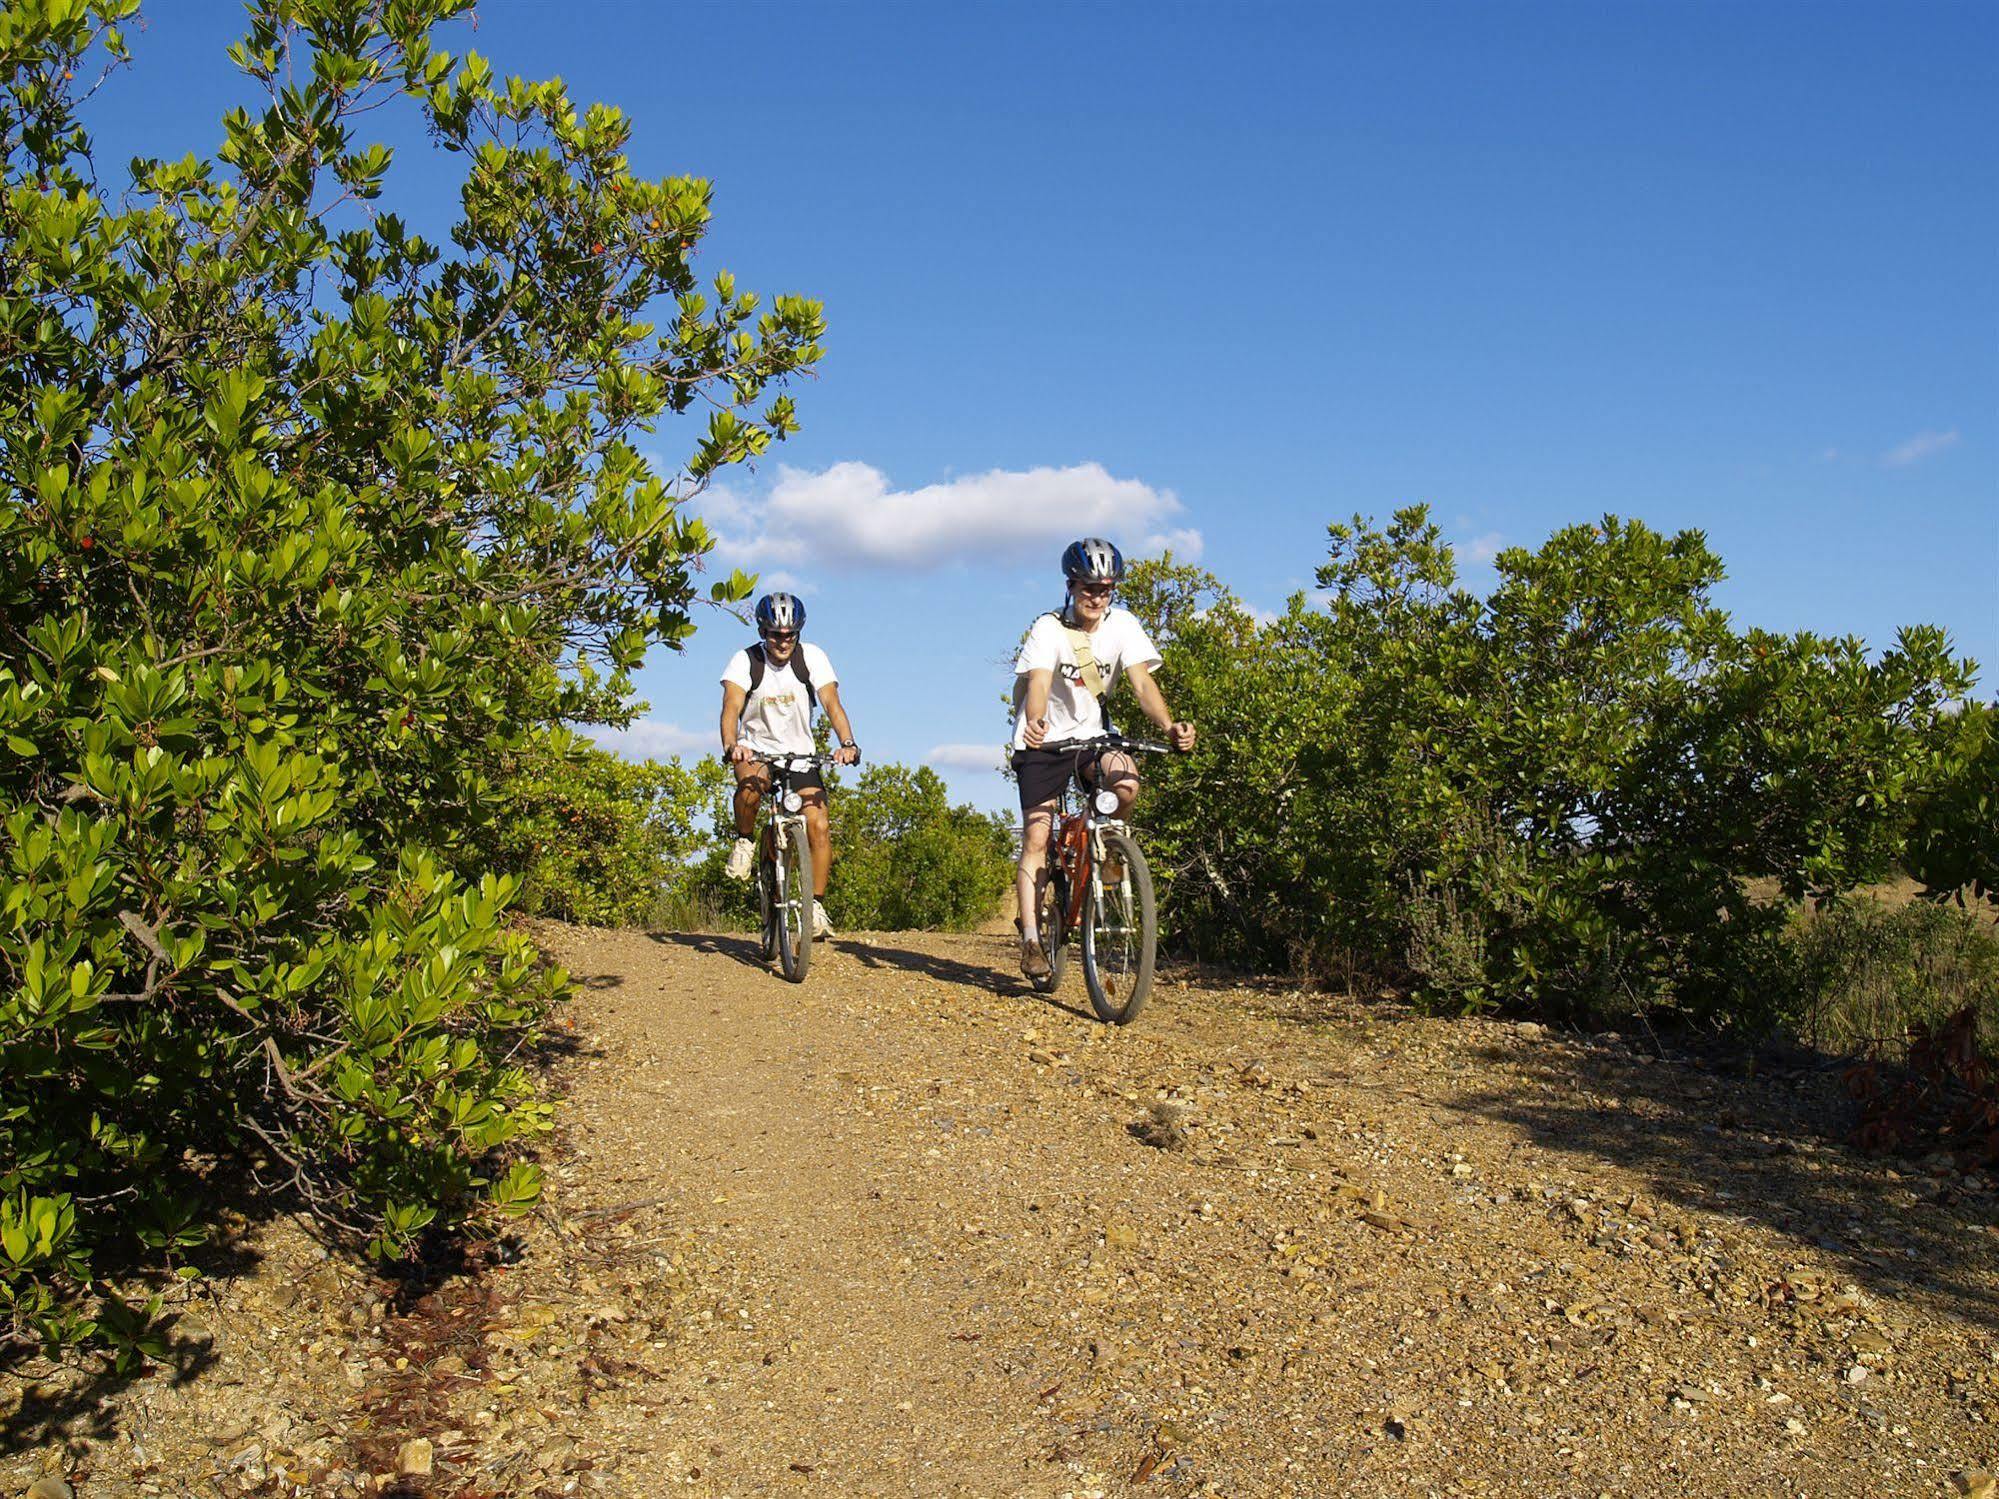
(777, 718)
(1117, 643)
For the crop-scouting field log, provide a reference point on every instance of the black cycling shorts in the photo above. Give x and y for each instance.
(1043, 773)
(808, 779)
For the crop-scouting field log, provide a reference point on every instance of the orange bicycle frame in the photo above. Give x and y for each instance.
(1072, 846)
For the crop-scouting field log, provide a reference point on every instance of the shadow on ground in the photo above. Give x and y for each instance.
(1769, 1149)
(932, 965)
(71, 1402)
(744, 950)
(953, 971)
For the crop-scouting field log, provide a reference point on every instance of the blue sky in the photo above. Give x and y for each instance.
(1225, 273)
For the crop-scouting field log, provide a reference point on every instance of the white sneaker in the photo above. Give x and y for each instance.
(821, 927)
(740, 858)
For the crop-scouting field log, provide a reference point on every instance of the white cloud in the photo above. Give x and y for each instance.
(966, 756)
(1183, 542)
(849, 515)
(1482, 549)
(1916, 449)
(649, 739)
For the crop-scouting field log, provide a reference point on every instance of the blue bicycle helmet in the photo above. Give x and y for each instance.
(780, 611)
(1093, 558)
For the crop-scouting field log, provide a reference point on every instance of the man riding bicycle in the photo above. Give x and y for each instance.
(1063, 675)
(768, 693)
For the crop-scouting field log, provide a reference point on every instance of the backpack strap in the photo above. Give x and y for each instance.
(1086, 661)
(1086, 667)
(758, 665)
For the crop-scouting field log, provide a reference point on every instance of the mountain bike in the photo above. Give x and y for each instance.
(1100, 887)
(784, 868)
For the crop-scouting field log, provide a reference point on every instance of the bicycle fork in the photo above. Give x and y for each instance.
(1099, 861)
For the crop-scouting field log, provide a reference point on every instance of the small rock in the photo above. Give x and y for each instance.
(1867, 1340)
(1975, 1483)
(1856, 1374)
(1164, 1129)
(53, 1487)
(413, 1458)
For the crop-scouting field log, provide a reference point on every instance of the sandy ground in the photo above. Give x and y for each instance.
(913, 1229)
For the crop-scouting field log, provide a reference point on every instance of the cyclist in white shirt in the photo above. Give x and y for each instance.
(768, 693)
(1064, 672)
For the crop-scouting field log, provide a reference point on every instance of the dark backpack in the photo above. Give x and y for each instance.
(758, 665)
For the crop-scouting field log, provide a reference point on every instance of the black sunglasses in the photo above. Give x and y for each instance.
(780, 636)
(1095, 590)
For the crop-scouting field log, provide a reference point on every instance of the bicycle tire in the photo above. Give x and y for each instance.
(794, 939)
(767, 898)
(1054, 938)
(1118, 971)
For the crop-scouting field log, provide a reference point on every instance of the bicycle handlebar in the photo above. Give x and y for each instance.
(1110, 741)
(793, 762)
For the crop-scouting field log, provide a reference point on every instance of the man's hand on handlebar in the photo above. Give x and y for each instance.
(1180, 734)
(740, 753)
(1034, 731)
(847, 754)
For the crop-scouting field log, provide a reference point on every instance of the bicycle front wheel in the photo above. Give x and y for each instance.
(767, 888)
(1120, 931)
(794, 906)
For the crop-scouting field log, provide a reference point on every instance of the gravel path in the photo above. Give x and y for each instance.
(912, 1229)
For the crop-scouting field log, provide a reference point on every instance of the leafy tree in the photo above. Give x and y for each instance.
(307, 524)
(1954, 845)
(904, 858)
(1559, 793)
(596, 838)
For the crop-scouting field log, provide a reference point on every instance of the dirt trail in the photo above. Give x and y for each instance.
(897, 1232)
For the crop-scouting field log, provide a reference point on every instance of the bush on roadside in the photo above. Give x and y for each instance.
(1554, 795)
(307, 527)
(906, 859)
(1868, 974)
(1954, 843)
(593, 837)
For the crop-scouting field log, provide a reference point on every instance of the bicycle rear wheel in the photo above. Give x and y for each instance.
(794, 906)
(1054, 937)
(1120, 931)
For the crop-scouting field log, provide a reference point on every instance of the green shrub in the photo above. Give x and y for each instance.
(596, 838)
(1556, 794)
(307, 525)
(905, 859)
(1954, 843)
(1868, 974)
